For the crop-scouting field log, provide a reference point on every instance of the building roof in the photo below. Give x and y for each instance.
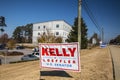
(52, 21)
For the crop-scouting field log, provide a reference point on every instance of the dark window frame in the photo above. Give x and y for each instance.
(57, 26)
(38, 27)
(57, 33)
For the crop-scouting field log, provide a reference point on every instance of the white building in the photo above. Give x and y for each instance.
(58, 28)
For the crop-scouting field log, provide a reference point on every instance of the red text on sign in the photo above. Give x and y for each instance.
(69, 52)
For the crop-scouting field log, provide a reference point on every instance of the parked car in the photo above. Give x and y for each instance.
(29, 57)
(19, 47)
(36, 54)
(36, 49)
(2, 46)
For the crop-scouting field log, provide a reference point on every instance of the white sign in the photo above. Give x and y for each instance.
(62, 56)
(94, 41)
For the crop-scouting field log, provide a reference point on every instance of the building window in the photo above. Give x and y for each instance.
(38, 27)
(57, 26)
(38, 33)
(44, 27)
(43, 33)
(57, 33)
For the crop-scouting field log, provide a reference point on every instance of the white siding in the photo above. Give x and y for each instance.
(62, 29)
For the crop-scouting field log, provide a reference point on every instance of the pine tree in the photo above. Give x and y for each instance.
(73, 35)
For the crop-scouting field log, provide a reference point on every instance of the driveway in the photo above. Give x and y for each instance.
(115, 52)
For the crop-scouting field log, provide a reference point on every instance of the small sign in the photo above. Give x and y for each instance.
(61, 56)
(2, 21)
(103, 45)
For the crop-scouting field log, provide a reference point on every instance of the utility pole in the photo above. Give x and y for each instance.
(79, 22)
(102, 34)
(79, 28)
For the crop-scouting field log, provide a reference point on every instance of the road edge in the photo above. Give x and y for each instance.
(113, 69)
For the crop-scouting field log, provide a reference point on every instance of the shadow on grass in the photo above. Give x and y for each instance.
(55, 73)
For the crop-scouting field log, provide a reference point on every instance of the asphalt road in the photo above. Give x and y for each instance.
(115, 52)
(8, 59)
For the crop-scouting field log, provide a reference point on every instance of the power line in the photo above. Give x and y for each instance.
(91, 16)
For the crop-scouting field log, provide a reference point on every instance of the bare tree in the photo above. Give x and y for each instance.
(48, 37)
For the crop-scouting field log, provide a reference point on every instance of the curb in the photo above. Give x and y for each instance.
(112, 63)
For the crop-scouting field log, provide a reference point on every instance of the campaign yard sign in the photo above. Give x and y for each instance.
(61, 56)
